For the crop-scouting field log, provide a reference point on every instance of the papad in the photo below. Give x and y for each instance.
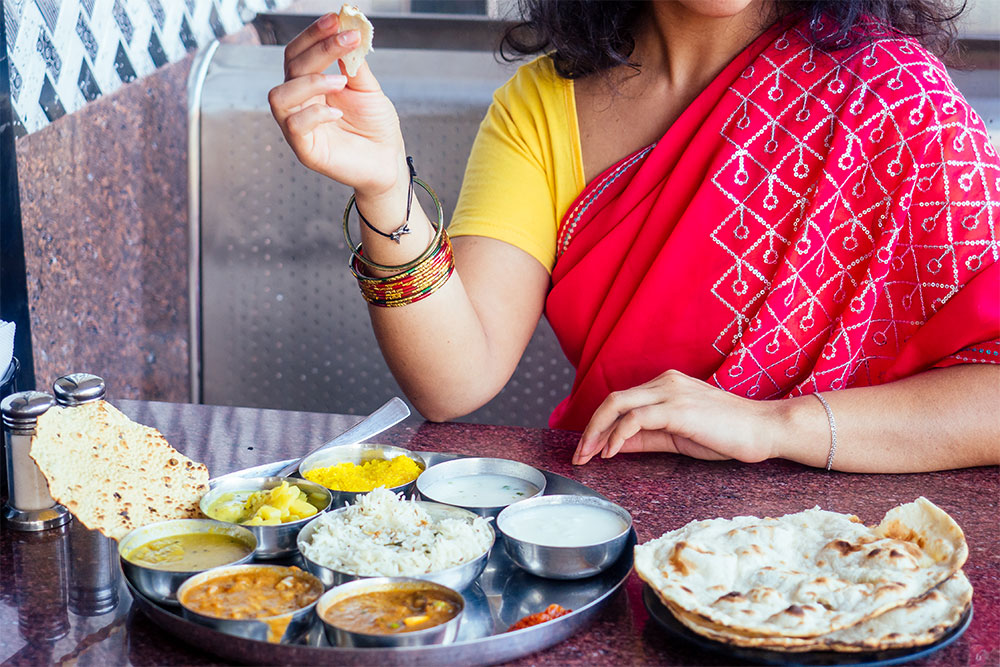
(352, 18)
(112, 473)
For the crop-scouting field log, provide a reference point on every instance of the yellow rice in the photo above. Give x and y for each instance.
(389, 473)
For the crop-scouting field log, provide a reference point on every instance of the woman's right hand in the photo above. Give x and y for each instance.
(344, 128)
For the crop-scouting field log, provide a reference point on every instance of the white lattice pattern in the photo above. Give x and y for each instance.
(864, 195)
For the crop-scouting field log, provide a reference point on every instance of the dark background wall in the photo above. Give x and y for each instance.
(103, 205)
(95, 94)
(13, 290)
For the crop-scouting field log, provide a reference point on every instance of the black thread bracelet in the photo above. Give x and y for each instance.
(404, 228)
(438, 227)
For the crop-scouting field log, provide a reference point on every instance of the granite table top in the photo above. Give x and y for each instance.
(52, 610)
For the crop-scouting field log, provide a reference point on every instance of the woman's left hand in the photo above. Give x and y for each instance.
(677, 413)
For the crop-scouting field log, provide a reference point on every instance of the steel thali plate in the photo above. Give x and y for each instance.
(502, 595)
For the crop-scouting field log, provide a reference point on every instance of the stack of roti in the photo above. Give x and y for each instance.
(112, 473)
(814, 580)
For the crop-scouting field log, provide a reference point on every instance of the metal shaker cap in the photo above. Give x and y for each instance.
(21, 410)
(78, 388)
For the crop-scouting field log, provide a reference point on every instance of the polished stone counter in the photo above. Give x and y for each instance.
(56, 595)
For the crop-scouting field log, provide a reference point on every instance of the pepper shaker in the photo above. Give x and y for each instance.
(94, 571)
(29, 505)
(78, 388)
(94, 574)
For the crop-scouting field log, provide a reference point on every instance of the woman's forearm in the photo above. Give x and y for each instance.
(454, 350)
(440, 353)
(939, 419)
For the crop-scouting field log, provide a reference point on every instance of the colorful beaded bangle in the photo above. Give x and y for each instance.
(431, 248)
(410, 286)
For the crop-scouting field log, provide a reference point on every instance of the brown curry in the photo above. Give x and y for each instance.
(254, 593)
(392, 611)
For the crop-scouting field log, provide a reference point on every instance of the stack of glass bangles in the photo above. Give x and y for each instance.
(413, 281)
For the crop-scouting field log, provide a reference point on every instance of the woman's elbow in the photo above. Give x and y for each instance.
(444, 408)
(440, 412)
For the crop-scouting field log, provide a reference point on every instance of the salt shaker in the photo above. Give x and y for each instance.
(94, 571)
(29, 504)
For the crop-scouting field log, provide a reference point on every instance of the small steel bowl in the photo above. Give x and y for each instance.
(278, 540)
(563, 562)
(444, 633)
(359, 453)
(458, 577)
(468, 467)
(161, 585)
(281, 628)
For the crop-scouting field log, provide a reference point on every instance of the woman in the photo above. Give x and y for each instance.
(737, 200)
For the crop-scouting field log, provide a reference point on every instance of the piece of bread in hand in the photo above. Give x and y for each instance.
(351, 18)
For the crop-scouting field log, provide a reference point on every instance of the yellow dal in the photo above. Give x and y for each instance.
(365, 477)
(189, 552)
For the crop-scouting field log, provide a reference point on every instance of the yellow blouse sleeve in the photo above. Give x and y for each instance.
(525, 167)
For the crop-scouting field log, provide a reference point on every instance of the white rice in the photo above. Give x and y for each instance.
(384, 535)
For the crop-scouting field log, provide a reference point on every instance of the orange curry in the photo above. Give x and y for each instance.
(257, 593)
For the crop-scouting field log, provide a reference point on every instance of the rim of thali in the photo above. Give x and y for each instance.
(483, 650)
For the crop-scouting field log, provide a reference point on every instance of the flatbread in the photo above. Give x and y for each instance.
(351, 18)
(112, 473)
(805, 574)
(919, 622)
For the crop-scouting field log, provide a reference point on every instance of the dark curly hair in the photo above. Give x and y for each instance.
(587, 36)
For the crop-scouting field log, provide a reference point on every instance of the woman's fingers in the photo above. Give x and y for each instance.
(608, 414)
(671, 413)
(321, 55)
(291, 96)
(617, 404)
(630, 424)
(303, 122)
(623, 436)
(319, 29)
(364, 81)
(586, 450)
(694, 450)
(657, 440)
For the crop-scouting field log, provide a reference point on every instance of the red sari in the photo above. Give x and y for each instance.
(815, 220)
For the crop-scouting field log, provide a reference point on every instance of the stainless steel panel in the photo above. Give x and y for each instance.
(452, 32)
(282, 322)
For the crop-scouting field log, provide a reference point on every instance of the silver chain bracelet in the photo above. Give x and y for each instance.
(833, 430)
